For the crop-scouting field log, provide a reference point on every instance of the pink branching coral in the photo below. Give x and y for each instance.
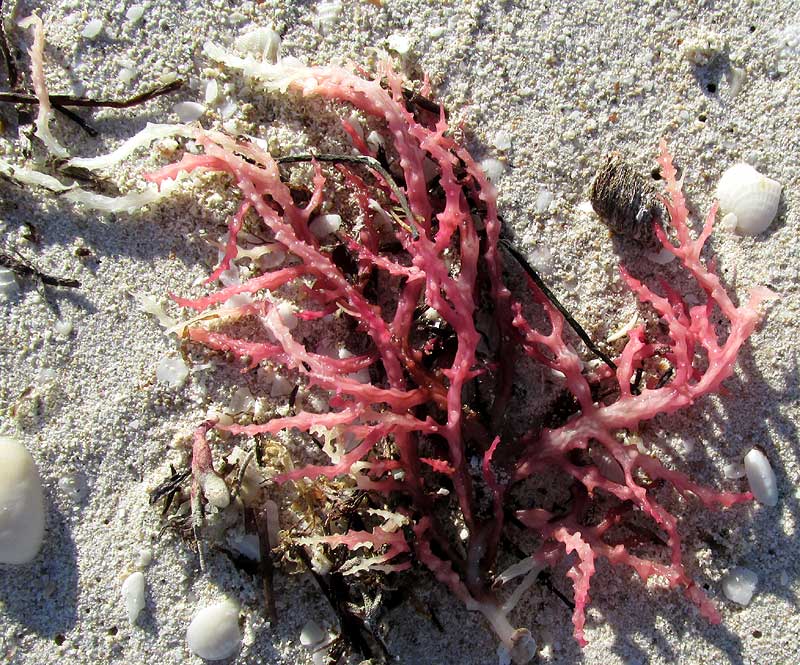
(411, 288)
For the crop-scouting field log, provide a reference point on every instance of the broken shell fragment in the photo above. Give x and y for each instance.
(751, 197)
(626, 201)
(22, 516)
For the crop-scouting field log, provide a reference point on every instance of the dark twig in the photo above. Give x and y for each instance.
(85, 126)
(579, 331)
(69, 100)
(355, 631)
(169, 488)
(260, 520)
(24, 269)
(370, 162)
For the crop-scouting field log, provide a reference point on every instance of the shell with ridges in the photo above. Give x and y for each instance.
(750, 196)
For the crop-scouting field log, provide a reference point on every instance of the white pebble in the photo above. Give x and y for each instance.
(493, 168)
(324, 225)
(9, 289)
(133, 595)
(502, 140)
(93, 29)
(399, 43)
(63, 327)
(22, 516)
(214, 633)
(212, 91)
(189, 111)
(127, 74)
(751, 197)
(733, 471)
(739, 585)
(135, 13)
(543, 201)
(761, 477)
(172, 371)
(74, 486)
(242, 401)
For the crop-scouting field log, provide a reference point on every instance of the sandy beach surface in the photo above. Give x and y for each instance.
(547, 89)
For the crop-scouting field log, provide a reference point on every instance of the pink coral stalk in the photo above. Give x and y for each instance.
(407, 433)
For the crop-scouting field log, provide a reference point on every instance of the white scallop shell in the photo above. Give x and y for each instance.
(751, 197)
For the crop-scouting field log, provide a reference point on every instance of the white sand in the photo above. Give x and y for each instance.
(567, 85)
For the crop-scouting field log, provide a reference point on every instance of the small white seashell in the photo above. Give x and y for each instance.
(21, 504)
(133, 595)
(761, 477)
(739, 585)
(752, 197)
(213, 633)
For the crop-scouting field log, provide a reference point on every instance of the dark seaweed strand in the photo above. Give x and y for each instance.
(25, 269)
(370, 162)
(69, 100)
(11, 65)
(555, 302)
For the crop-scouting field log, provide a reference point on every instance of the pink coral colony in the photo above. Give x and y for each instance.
(425, 435)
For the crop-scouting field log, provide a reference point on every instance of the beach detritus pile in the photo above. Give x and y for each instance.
(411, 419)
(22, 516)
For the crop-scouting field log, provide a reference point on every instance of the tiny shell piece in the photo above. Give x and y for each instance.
(626, 201)
(751, 197)
(133, 595)
(761, 477)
